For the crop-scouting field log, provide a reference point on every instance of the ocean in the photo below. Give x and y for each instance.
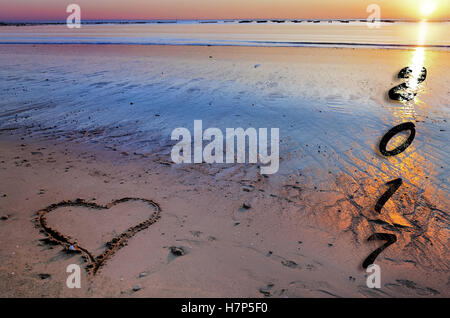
(278, 33)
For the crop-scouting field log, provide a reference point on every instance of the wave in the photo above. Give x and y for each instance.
(259, 33)
(227, 43)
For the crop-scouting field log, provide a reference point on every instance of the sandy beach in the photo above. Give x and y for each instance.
(93, 122)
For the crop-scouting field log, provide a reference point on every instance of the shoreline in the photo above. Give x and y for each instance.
(325, 45)
(354, 34)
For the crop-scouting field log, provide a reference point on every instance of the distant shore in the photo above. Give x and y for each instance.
(87, 22)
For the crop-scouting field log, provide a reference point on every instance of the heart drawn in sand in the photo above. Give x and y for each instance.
(94, 263)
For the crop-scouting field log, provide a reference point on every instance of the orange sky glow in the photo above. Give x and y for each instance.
(220, 9)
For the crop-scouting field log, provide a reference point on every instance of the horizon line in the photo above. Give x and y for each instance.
(218, 19)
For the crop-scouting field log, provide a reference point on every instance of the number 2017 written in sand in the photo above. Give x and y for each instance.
(402, 92)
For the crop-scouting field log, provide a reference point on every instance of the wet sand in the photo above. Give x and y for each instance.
(94, 123)
(269, 249)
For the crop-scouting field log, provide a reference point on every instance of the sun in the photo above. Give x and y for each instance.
(427, 7)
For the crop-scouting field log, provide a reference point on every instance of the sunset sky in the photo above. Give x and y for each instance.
(217, 9)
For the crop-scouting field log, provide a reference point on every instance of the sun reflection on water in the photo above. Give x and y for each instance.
(418, 58)
(412, 166)
(407, 110)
